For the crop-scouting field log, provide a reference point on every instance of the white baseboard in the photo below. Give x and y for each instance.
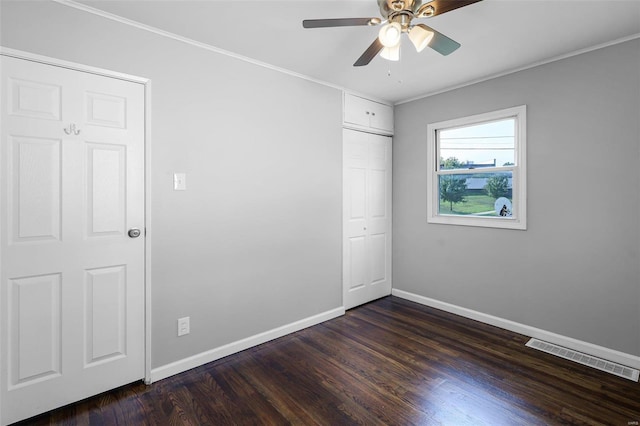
(567, 342)
(240, 345)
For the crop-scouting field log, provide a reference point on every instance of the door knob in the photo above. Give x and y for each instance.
(134, 233)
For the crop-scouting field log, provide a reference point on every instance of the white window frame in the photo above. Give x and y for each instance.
(519, 171)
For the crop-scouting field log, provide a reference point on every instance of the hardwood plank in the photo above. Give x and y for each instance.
(388, 362)
(420, 357)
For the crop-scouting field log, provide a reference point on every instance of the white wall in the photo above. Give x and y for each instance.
(576, 270)
(255, 241)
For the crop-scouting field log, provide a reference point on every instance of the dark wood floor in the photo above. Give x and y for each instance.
(390, 362)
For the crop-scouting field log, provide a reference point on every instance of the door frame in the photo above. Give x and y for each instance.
(388, 188)
(4, 51)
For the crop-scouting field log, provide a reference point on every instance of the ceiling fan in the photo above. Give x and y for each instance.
(398, 16)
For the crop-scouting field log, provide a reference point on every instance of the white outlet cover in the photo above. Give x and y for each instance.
(183, 326)
(179, 181)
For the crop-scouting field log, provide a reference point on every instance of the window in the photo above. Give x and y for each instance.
(477, 170)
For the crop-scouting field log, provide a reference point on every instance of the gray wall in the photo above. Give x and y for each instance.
(576, 270)
(255, 241)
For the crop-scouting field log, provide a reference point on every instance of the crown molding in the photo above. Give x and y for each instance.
(523, 68)
(211, 48)
(189, 41)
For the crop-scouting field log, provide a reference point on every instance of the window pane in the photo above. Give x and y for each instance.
(482, 145)
(476, 194)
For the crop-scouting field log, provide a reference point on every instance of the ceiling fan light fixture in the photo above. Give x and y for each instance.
(389, 34)
(420, 36)
(391, 53)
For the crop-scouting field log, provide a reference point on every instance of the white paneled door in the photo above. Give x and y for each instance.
(72, 193)
(367, 217)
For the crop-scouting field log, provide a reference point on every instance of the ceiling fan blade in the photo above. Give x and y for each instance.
(444, 6)
(339, 22)
(369, 54)
(441, 43)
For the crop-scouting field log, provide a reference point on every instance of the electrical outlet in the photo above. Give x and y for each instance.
(183, 326)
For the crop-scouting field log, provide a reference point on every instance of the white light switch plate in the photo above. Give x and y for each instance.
(179, 181)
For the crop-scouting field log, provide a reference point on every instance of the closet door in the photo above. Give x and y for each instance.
(72, 278)
(366, 217)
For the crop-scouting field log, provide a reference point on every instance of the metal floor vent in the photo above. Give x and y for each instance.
(588, 360)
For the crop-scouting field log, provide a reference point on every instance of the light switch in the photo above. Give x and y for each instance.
(179, 181)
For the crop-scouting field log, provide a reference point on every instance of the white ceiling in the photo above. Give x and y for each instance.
(497, 36)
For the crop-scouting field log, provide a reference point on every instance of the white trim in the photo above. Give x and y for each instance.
(141, 26)
(519, 172)
(71, 65)
(2, 160)
(240, 345)
(192, 42)
(522, 68)
(567, 342)
(147, 233)
(147, 177)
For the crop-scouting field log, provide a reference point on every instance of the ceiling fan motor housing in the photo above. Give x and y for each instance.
(416, 8)
(403, 11)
